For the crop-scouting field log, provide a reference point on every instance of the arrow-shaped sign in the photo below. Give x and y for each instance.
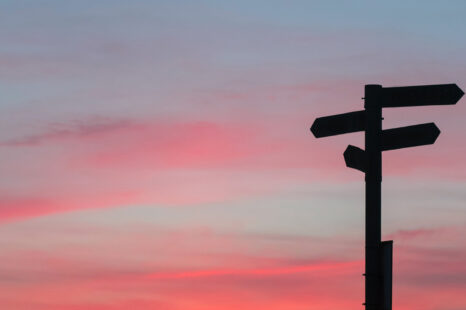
(355, 158)
(442, 94)
(339, 124)
(398, 138)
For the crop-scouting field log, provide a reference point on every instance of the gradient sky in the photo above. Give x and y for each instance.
(157, 154)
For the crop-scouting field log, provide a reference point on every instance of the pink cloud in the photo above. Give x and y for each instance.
(176, 146)
(318, 267)
(102, 162)
(425, 278)
(14, 208)
(173, 270)
(297, 287)
(418, 233)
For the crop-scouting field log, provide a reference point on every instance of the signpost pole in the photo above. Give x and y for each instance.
(373, 274)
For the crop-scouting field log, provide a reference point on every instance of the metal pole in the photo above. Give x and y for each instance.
(373, 272)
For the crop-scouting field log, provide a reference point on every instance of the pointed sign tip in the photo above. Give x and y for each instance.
(436, 132)
(313, 129)
(460, 91)
(457, 93)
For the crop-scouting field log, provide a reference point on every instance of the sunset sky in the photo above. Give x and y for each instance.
(157, 154)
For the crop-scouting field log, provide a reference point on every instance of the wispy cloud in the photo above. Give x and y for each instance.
(76, 130)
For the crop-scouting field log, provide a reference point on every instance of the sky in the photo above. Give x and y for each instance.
(157, 154)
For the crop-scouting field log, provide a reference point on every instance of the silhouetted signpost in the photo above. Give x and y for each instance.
(378, 269)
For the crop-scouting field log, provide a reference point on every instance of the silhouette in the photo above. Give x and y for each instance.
(379, 254)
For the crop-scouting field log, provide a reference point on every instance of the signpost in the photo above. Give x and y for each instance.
(378, 269)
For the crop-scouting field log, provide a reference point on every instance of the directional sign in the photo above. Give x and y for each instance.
(339, 124)
(398, 138)
(443, 94)
(355, 158)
